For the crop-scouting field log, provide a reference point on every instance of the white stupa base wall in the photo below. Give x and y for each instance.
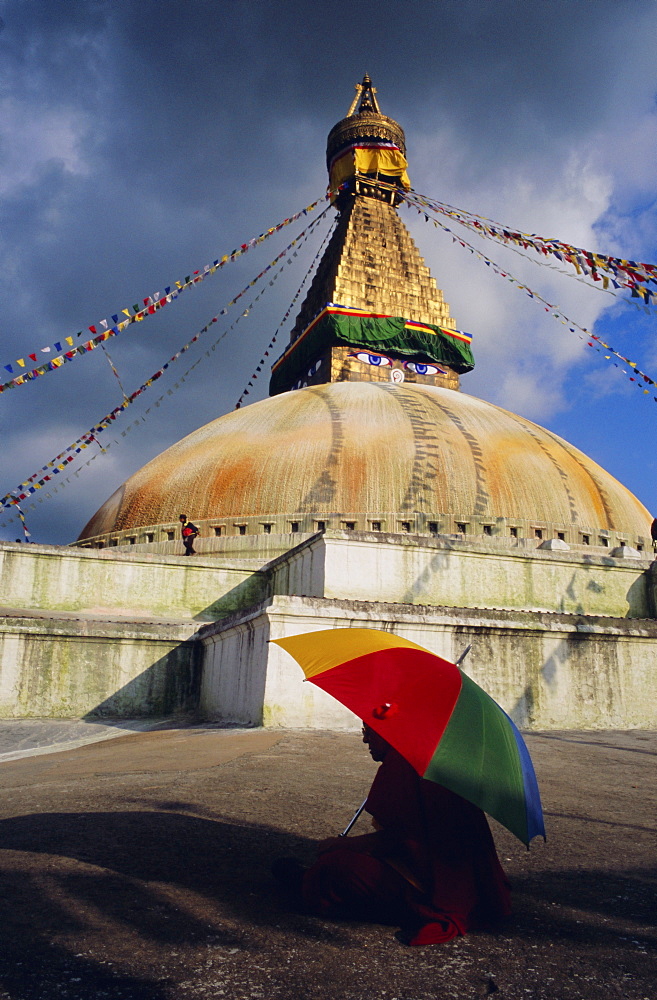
(561, 638)
(548, 671)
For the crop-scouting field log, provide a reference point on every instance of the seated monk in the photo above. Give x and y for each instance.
(430, 866)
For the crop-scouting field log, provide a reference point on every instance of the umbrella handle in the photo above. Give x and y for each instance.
(463, 655)
(353, 819)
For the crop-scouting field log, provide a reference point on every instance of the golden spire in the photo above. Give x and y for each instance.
(371, 276)
(367, 94)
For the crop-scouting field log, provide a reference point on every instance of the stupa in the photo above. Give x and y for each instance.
(367, 490)
(365, 428)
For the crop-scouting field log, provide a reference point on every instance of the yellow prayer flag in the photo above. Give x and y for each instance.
(21, 362)
(69, 341)
(126, 312)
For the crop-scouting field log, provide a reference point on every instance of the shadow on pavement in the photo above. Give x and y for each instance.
(598, 744)
(160, 880)
(601, 822)
(90, 896)
(592, 906)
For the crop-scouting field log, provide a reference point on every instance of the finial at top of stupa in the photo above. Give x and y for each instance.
(367, 94)
(366, 144)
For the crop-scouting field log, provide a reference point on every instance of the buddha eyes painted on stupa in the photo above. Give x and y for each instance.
(383, 361)
(420, 369)
(303, 382)
(380, 360)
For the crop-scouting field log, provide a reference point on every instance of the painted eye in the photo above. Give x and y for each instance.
(315, 368)
(420, 369)
(379, 360)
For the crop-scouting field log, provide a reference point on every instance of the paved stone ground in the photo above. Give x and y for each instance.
(137, 868)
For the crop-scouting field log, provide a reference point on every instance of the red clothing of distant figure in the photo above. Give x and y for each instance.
(432, 865)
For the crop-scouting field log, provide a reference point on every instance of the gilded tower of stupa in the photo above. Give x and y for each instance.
(372, 289)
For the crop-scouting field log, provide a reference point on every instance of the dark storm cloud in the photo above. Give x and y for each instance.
(139, 140)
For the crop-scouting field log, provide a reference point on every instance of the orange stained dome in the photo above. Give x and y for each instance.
(373, 447)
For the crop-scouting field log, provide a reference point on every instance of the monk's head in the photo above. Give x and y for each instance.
(378, 747)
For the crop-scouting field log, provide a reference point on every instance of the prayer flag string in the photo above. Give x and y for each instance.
(46, 474)
(151, 304)
(262, 363)
(591, 340)
(614, 271)
(303, 237)
(23, 523)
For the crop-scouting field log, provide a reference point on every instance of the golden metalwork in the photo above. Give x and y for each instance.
(365, 123)
(371, 262)
(367, 94)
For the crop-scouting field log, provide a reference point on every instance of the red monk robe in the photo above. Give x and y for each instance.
(430, 866)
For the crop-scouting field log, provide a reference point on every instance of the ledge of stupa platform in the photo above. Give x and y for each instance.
(547, 670)
(458, 571)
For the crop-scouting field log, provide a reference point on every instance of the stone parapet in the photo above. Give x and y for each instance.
(124, 583)
(467, 574)
(561, 637)
(268, 535)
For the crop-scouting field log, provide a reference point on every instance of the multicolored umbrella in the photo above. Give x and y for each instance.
(444, 724)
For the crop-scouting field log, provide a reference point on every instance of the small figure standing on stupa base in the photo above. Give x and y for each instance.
(189, 532)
